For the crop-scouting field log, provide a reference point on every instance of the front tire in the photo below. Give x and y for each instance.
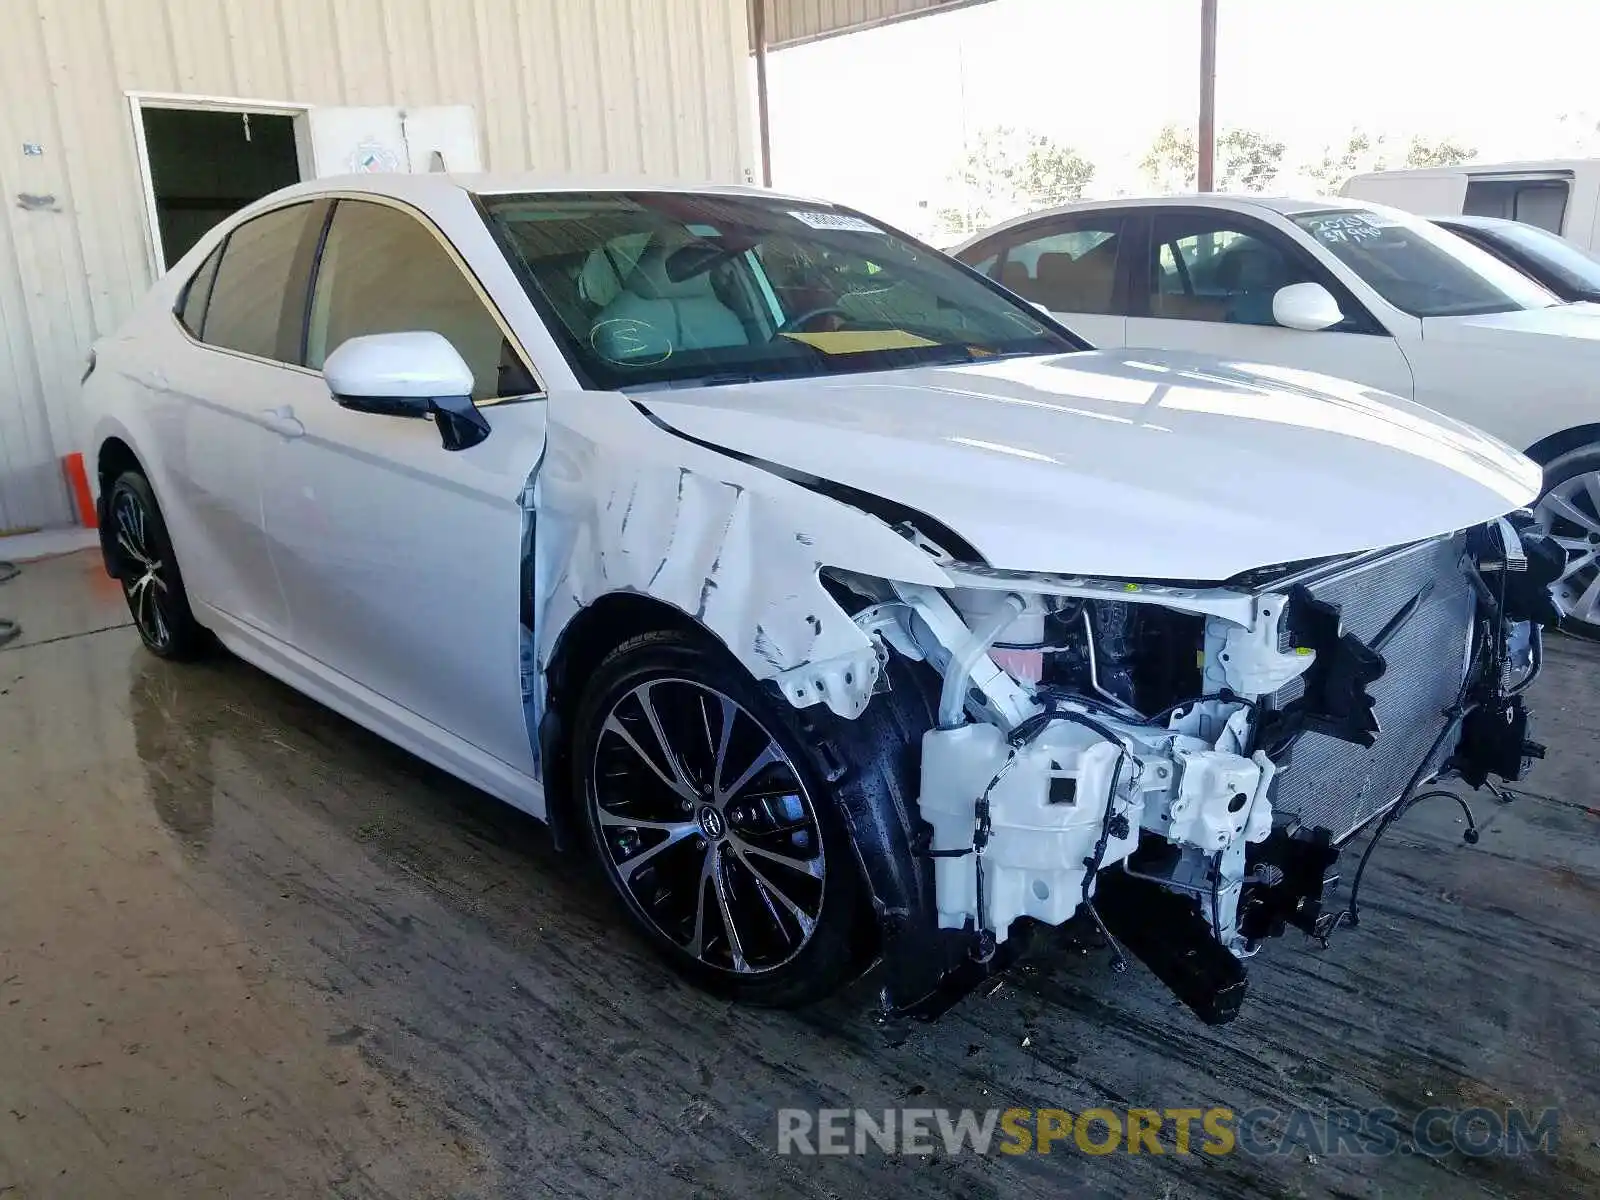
(712, 820)
(151, 581)
(1569, 510)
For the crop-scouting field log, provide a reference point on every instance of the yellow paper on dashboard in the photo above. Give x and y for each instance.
(861, 341)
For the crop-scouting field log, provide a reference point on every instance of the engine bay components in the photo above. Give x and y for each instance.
(1185, 763)
(1047, 804)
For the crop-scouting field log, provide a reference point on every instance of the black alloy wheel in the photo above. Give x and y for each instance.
(151, 581)
(712, 825)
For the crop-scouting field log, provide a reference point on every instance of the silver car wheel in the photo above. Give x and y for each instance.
(1570, 513)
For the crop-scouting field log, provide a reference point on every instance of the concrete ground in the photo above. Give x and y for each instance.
(247, 949)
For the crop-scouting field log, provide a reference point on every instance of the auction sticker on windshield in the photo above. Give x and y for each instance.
(1346, 227)
(830, 220)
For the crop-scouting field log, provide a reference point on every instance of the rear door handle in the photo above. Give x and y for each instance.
(282, 421)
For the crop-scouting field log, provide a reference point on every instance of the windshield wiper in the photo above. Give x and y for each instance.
(692, 381)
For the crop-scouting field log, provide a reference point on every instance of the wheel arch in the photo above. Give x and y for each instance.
(1547, 449)
(592, 633)
(113, 458)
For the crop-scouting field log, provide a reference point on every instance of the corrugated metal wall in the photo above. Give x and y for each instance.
(634, 86)
(790, 22)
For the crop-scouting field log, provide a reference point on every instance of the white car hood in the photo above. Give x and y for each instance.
(1160, 466)
(1563, 328)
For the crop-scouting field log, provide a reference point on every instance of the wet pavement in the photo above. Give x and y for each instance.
(248, 949)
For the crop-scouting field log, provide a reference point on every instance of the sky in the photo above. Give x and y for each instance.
(878, 118)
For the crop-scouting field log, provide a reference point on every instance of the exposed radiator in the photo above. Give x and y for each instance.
(1339, 785)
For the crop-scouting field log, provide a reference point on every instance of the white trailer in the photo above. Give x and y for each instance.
(1561, 195)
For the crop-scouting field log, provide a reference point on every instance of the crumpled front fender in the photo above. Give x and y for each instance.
(625, 505)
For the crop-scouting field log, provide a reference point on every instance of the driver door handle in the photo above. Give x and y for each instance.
(282, 421)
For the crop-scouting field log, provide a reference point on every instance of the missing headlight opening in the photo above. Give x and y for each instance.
(1182, 764)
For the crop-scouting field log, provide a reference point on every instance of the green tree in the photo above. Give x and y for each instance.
(1246, 161)
(1171, 162)
(1443, 153)
(1360, 152)
(1008, 171)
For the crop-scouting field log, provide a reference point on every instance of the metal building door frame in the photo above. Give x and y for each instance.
(139, 101)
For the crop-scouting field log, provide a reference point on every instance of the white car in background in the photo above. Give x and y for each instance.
(1546, 258)
(839, 602)
(1561, 195)
(1343, 288)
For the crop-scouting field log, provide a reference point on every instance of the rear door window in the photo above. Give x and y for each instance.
(257, 303)
(1066, 264)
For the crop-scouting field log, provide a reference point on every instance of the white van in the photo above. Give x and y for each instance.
(1562, 195)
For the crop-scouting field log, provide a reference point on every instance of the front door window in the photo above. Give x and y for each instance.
(1206, 269)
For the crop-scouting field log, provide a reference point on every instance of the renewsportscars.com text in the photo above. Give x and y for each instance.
(1434, 1132)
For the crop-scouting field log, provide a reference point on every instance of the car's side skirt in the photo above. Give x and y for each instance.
(376, 713)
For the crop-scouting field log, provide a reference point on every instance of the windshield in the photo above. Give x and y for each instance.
(1419, 268)
(1551, 251)
(653, 288)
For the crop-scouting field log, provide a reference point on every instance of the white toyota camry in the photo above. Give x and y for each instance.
(838, 602)
(1356, 290)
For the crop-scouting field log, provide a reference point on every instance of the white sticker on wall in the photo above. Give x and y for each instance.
(833, 220)
(371, 156)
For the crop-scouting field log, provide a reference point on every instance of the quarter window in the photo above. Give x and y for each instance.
(383, 271)
(192, 309)
(258, 295)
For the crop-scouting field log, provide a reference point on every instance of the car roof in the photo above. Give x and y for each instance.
(402, 186)
(1470, 222)
(1232, 201)
(1518, 167)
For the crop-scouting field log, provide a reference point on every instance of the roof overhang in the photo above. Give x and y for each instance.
(795, 22)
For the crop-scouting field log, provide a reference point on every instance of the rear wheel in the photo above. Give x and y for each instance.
(713, 823)
(151, 581)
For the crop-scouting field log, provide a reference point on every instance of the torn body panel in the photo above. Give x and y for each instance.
(738, 550)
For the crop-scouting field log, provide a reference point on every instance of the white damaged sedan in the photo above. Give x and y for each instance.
(844, 607)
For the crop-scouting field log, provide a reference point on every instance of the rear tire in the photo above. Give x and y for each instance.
(151, 581)
(741, 875)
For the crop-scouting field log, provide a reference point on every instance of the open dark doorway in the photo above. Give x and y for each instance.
(206, 164)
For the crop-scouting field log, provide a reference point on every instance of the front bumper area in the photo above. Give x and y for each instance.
(1193, 837)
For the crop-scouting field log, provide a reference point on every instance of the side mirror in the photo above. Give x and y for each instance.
(1307, 306)
(413, 374)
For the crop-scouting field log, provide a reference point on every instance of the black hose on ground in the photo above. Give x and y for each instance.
(1350, 914)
